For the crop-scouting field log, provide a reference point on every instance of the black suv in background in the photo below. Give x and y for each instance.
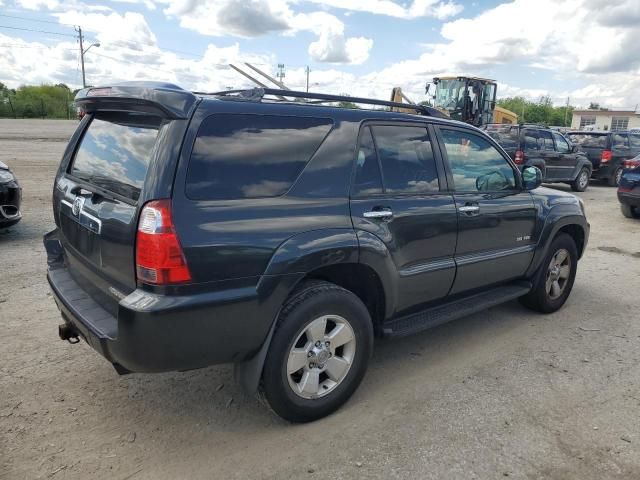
(281, 236)
(547, 149)
(629, 188)
(607, 152)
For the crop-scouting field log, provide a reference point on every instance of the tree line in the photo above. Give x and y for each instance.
(542, 111)
(37, 101)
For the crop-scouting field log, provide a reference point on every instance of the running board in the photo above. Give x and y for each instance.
(444, 313)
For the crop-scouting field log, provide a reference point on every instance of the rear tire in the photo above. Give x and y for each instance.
(614, 179)
(554, 281)
(319, 353)
(581, 182)
(628, 211)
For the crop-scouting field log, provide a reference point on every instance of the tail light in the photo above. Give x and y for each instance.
(159, 257)
(605, 156)
(519, 158)
(632, 163)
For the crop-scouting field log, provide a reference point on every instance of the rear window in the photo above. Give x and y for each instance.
(115, 151)
(251, 156)
(589, 140)
(506, 136)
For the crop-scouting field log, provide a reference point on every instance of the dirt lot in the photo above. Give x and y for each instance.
(505, 393)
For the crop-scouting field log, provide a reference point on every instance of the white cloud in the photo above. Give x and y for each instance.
(417, 8)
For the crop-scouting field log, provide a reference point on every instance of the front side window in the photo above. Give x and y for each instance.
(405, 153)
(251, 156)
(561, 144)
(476, 165)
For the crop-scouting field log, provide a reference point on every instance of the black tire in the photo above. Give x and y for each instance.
(581, 182)
(614, 179)
(539, 299)
(628, 211)
(309, 302)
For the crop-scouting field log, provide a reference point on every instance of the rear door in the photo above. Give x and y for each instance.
(399, 195)
(592, 144)
(552, 159)
(496, 218)
(96, 198)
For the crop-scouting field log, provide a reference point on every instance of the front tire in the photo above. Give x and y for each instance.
(556, 277)
(581, 182)
(614, 179)
(319, 353)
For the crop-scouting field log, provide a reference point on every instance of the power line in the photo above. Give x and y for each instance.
(36, 20)
(38, 31)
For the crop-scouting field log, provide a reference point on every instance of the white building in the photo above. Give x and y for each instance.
(605, 120)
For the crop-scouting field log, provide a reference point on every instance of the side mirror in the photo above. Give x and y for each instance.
(531, 178)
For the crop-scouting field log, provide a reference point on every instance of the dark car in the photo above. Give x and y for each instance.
(547, 149)
(607, 151)
(629, 188)
(282, 236)
(10, 197)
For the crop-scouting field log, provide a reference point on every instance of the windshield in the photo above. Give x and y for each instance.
(450, 94)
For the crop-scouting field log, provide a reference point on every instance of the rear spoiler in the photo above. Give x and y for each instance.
(164, 99)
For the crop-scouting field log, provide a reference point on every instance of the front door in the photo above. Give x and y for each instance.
(399, 195)
(565, 163)
(496, 218)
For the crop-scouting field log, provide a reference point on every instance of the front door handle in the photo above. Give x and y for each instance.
(378, 214)
(470, 209)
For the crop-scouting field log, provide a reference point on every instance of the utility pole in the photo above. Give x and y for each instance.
(566, 112)
(84, 80)
(307, 70)
(280, 73)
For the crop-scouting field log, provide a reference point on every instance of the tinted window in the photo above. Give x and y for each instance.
(589, 140)
(507, 136)
(545, 140)
(367, 180)
(115, 151)
(245, 156)
(476, 164)
(561, 144)
(619, 140)
(634, 140)
(407, 160)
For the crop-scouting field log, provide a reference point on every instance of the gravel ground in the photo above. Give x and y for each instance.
(504, 393)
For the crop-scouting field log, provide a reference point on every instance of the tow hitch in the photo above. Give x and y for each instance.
(68, 333)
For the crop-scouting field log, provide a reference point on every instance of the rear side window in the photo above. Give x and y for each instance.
(367, 180)
(115, 151)
(507, 136)
(619, 141)
(251, 156)
(408, 165)
(589, 140)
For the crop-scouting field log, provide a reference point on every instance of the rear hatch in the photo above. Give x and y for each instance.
(592, 144)
(96, 201)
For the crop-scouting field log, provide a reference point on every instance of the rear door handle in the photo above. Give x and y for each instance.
(378, 214)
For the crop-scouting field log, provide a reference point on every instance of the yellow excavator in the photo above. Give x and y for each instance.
(467, 99)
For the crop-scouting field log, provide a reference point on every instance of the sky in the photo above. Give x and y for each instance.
(584, 50)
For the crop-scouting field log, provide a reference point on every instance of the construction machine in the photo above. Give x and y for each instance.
(470, 100)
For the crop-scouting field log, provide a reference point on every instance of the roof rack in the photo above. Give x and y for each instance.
(258, 94)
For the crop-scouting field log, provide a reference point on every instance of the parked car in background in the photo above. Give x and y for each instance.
(533, 145)
(607, 151)
(10, 197)
(629, 188)
(195, 229)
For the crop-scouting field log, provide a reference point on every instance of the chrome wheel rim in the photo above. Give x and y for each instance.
(584, 180)
(321, 356)
(558, 273)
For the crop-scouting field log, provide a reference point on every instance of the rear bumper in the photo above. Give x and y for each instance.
(632, 199)
(159, 333)
(10, 197)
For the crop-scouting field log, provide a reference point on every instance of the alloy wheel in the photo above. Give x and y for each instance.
(558, 273)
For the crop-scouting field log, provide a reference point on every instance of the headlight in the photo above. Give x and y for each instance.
(6, 176)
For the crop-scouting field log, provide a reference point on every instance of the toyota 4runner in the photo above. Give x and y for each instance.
(283, 236)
